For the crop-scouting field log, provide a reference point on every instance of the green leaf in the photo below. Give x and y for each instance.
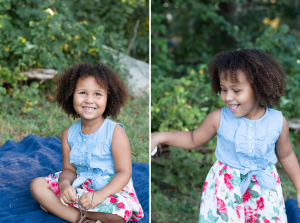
(238, 199)
(252, 183)
(236, 180)
(224, 216)
(275, 210)
(210, 218)
(231, 204)
(254, 194)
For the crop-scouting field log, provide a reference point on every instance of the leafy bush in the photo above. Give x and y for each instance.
(57, 34)
(181, 104)
(181, 167)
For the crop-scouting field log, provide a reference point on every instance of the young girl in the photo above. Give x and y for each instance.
(96, 170)
(243, 184)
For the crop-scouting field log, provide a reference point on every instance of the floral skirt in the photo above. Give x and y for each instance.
(222, 201)
(123, 203)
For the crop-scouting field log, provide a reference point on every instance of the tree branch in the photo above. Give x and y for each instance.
(134, 35)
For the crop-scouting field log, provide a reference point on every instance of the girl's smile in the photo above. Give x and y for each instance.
(89, 109)
(240, 97)
(89, 99)
(234, 107)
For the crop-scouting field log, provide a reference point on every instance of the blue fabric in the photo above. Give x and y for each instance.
(249, 145)
(34, 157)
(91, 154)
(292, 211)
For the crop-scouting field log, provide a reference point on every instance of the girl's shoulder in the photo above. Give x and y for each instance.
(214, 118)
(275, 118)
(72, 131)
(110, 127)
(273, 112)
(215, 114)
(74, 127)
(112, 124)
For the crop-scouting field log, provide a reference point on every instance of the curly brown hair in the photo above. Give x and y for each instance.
(265, 74)
(117, 94)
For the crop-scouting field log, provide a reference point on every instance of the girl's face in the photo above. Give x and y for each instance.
(89, 99)
(239, 97)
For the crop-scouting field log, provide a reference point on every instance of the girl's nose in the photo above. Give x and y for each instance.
(89, 100)
(229, 96)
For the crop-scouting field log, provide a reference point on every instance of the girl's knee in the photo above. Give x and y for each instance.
(114, 218)
(105, 217)
(38, 184)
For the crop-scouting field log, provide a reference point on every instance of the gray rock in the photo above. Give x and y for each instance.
(137, 77)
(136, 73)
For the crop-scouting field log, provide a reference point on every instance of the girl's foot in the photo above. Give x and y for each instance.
(86, 220)
(44, 209)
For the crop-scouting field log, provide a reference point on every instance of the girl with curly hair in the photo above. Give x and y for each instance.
(243, 184)
(95, 182)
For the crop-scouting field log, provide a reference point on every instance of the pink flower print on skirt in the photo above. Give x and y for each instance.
(124, 203)
(221, 199)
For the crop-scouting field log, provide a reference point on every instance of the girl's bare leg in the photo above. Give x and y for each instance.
(41, 192)
(105, 217)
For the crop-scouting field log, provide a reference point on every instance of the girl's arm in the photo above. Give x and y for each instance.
(120, 149)
(287, 158)
(192, 139)
(68, 174)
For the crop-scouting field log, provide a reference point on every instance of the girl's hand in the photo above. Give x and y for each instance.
(85, 200)
(67, 195)
(154, 140)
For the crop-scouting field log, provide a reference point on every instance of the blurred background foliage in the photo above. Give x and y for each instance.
(56, 34)
(186, 34)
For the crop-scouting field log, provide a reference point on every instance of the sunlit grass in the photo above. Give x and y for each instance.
(50, 120)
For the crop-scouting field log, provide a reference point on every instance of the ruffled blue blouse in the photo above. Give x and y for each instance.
(249, 145)
(91, 154)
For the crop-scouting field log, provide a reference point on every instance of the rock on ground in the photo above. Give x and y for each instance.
(137, 77)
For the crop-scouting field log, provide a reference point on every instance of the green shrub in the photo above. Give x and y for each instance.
(58, 34)
(181, 104)
(182, 166)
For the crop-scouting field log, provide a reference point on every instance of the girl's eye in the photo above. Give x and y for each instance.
(97, 94)
(82, 92)
(223, 90)
(236, 91)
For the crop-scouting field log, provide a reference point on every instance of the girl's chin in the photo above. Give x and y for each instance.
(236, 115)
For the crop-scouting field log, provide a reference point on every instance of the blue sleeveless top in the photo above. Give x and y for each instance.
(91, 154)
(249, 145)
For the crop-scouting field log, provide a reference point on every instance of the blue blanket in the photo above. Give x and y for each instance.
(33, 157)
(292, 211)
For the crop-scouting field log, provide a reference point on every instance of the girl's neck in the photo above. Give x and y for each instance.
(256, 113)
(90, 126)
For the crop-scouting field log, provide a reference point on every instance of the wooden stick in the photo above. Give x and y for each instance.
(134, 35)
